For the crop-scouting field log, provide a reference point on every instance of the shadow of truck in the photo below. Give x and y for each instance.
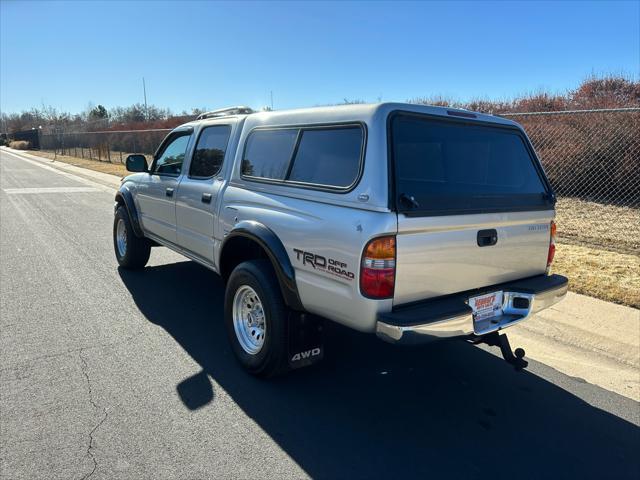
(372, 410)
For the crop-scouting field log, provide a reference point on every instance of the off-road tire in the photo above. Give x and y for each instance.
(271, 359)
(137, 250)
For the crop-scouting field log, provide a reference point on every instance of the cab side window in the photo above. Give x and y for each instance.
(170, 161)
(268, 153)
(209, 153)
(312, 157)
(328, 157)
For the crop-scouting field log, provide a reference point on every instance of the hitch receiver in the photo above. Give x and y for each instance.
(495, 339)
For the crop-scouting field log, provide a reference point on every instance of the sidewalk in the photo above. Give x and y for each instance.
(99, 177)
(583, 337)
(587, 338)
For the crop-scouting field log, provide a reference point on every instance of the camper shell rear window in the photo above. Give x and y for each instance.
(445, 166)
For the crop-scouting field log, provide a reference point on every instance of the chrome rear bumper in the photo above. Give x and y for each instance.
(452, 317)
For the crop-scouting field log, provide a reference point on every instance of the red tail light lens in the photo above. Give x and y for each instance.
(552, 245)
(378, 268)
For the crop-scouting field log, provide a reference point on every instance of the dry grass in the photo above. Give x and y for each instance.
(19, 144)
(603, 274)
(104, 167)
(616, 228)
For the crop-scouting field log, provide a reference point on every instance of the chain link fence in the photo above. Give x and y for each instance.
(105, 146)
(592, 158)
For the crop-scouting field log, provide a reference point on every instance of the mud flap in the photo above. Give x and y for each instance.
(306, 333)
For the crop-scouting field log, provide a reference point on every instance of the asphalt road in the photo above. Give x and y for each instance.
(114, 374)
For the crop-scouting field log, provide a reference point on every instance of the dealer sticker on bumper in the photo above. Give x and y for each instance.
(486, 306)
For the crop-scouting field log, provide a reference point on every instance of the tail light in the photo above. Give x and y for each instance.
(378, 268)
(552, 245)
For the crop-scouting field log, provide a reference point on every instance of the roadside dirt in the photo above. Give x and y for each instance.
(104, 167)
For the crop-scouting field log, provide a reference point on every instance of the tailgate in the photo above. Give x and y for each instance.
(441, 255)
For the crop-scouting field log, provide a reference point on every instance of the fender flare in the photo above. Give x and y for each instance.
(277, 254)
(124, 197)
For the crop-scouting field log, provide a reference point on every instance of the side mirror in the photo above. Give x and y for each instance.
(137, 163)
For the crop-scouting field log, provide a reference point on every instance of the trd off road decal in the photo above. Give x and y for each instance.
(329, 265)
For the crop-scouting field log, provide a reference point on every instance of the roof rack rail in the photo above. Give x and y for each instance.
(223, 112)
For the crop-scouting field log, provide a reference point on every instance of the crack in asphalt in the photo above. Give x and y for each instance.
(84, 369)
(75, 350)
(97, 408)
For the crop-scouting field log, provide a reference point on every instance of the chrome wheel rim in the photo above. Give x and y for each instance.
(121, 238)
(249, 319)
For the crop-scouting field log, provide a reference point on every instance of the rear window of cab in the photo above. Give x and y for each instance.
(326, 157)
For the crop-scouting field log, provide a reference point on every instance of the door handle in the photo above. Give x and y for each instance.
(169, 192)
(206, 198)
(486, 238)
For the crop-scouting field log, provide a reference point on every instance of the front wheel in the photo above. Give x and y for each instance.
(256, 319)
(131, 251)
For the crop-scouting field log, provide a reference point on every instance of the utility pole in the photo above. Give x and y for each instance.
(272, 100)
(146, 109)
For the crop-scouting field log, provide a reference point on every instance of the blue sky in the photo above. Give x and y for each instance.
(211, 54)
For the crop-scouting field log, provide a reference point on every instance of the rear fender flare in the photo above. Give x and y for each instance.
(277, 254)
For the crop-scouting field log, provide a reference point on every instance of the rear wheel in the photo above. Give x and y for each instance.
(131, 251)
(256, 318)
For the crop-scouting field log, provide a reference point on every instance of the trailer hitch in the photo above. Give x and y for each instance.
(495, 339)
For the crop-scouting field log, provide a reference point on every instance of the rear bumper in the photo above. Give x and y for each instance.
(451, 316)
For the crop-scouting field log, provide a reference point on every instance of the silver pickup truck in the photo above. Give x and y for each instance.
(412, 222)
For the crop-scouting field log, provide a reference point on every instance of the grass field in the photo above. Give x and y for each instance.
(115, 168)
(599, 273)
(600, 261)
(609, 226)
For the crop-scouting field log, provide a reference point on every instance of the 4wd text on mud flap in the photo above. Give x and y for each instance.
(306, 354)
